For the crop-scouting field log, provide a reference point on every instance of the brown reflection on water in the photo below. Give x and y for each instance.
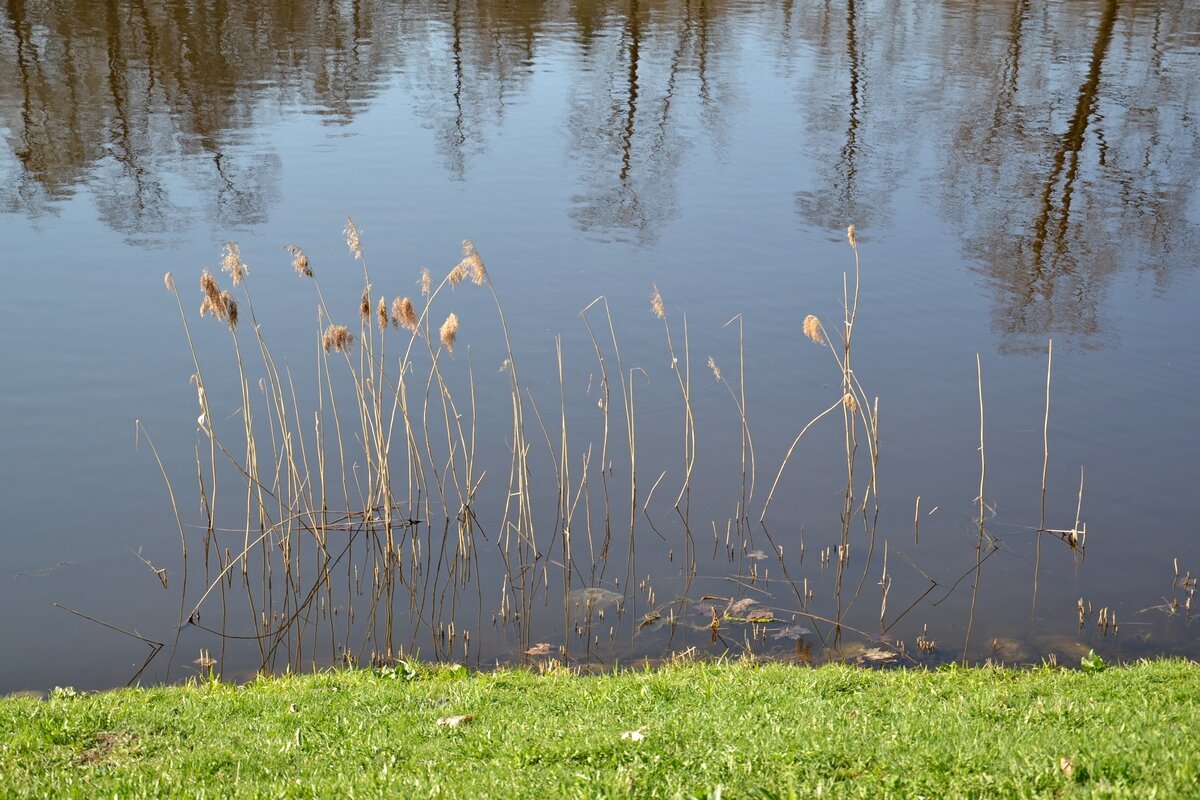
(1058, 182)
(640, 86)
(1063, 139)
(117, 95)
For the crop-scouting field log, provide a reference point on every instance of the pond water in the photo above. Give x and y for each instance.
(572, 480)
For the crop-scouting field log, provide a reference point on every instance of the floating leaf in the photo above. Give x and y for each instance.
(760, 615)
(757, 555)
(541, 649)
(878, 654)
(796, 632)
(650, 619)
(454, 722)
(740, 607)
(633, 736)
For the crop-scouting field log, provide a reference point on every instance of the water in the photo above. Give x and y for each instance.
(1017, 172)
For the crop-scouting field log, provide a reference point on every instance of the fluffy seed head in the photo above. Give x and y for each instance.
(231, 262)
(656, 303)
(851, 237)
(337, 337)
(231, 309)
(403, 314)
(299, 261)
(458, 274)
(426, 281)
(812, 329)
(169, 282)
(474, 263)
(381, 312)
(712, 365)
(849, 402)
(214, 299)
(353, 238)
(449, 331)
(364, 303)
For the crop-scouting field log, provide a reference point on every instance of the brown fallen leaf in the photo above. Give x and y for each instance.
(1067, 766)
(541, 649)
(454, 722)
(649, 619)
(740, 607)
(878, 654)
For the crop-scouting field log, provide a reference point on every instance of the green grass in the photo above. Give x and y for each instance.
(731, 730)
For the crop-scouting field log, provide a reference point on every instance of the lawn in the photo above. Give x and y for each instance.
(688, 730)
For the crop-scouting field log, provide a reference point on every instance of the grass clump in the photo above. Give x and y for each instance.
(686, 730)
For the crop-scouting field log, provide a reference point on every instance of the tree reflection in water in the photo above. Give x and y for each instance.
(1060, 143)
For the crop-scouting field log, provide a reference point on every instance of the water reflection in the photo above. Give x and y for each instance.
(1061, 173)
(1054, 145)
(1061, 153)
(146, 102)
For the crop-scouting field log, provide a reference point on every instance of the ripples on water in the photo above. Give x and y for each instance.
(1016, 171)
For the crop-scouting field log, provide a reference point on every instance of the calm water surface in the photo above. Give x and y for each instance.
(1017, 172)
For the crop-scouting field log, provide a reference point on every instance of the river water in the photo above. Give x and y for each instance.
(573, 480)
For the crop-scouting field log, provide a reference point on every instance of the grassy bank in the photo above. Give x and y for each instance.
(692, 730)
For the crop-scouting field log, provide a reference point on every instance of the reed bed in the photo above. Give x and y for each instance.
(355, 511)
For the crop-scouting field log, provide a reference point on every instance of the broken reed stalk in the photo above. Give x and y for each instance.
(982, 510)
(684, 380)
(1037, 561)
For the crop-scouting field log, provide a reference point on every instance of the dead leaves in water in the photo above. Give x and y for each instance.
(739, 608)
(542, 649)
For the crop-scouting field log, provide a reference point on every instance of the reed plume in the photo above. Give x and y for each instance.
(299, 261)
(231, 262)
(214, 299)
(712, 365)
(449, 331)
(473, 263)
(426, 281)
(812, 329)
(231, 310)
(364, 303)
(404, 315)
(382, 313)
(458, 274)
(656, 302)
(169, 282)
(337, 337)
(353, 239)
(851, 237)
